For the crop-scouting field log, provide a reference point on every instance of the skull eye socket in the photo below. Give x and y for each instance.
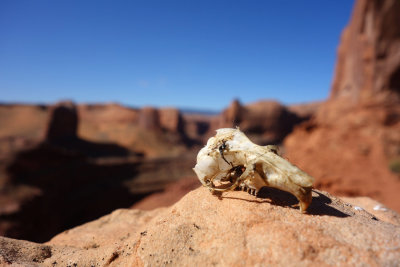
(222, 147)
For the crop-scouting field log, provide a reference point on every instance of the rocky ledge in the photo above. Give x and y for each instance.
(236, 229)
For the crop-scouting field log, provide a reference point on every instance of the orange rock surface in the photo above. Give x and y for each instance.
(234, 230)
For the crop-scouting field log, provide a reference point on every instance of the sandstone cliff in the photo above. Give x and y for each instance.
(353, 141)
(368, 63)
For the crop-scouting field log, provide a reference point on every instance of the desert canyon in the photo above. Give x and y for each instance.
(110, 185)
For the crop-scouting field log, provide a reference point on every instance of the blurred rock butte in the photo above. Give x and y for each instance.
(234, 230)
(69, 180)
(63, 122)
(265, 122)
(354, 137)
(171, 120)
(151, 131)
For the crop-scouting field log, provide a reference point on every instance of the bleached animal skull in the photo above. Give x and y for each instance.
(231, 160)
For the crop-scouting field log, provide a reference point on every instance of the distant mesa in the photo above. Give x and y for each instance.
(168, 119)
(149, 119)
(71, 179)
(171, 120)
(265, 121)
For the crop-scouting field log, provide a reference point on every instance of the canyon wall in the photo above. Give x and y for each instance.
(352, 145)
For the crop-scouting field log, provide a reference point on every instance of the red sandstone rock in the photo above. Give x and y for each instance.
(107, 114)
(171, 120)
(374, 207)
(22, 121)
(197, 126)
(368, 65)
(347, 147)
(63, 122)
(153, 132)
(305, 110)
(68, 172)
(169, 196)
(234, 230)
(232, 116)
(265, 121)
(149, 119)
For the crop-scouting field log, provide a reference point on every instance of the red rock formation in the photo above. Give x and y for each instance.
(154, 132)
(233, 230)
(168, 119)
(169, 196)
(171, 120)
(63, 122)
(107, 114)
(305, 110)
(264, 121)
(368, 66)
(149, 119)
(232, 116)
(62, 177)
(196, 126)
(355, 134)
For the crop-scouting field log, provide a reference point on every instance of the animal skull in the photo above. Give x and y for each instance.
(230, 160)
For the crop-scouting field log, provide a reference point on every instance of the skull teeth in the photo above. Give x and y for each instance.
(248, 190)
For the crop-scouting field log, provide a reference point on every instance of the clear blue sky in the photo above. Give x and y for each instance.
(190, 54)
